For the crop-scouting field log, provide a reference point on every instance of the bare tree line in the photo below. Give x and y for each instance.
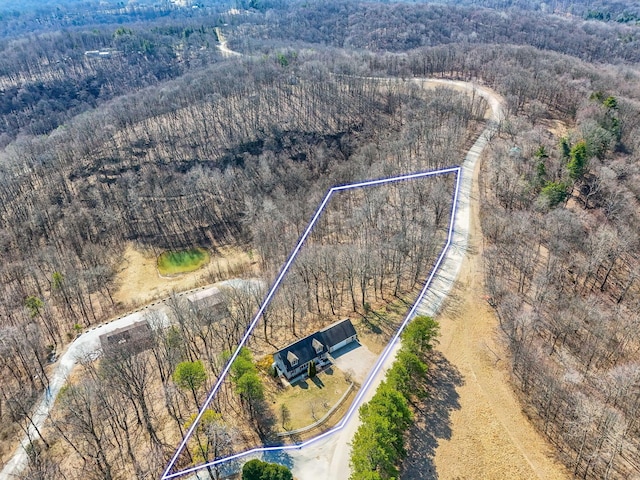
(371, 248)
(563, 278)
(79, 194)
(401, 27)
(121, 417)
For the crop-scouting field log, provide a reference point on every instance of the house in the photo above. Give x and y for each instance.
(294, 359)
(133, 339)
(209, 305)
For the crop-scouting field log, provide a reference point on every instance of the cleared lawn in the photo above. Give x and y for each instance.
(309, 400)
(182, 261)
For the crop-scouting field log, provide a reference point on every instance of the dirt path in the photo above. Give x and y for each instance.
(222, 46)
(475, 428)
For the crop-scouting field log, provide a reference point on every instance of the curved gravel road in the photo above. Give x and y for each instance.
(329, 458)
(88, 344)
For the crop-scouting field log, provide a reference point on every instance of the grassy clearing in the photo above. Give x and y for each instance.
(138, 281)
(309, 400)
(183, 261)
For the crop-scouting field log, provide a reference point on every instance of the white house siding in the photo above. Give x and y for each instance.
(341, 344)
(295, 372)
(280, 365)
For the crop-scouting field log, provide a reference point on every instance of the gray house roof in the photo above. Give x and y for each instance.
(337, 332)
(134, 338)
(211, 306)
(207, 299)
(316, 344)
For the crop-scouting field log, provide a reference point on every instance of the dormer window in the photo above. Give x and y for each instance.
(317, 346)
(293, 360)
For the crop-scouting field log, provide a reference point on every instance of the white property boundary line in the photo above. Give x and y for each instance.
(457, 171)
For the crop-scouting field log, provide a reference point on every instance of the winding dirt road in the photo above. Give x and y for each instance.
(329, 458)
(487, 436)
(484, 401)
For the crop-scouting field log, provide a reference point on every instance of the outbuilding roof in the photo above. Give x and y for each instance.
(134, 338)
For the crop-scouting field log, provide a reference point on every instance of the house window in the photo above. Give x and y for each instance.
(317, 346)
(293, 359)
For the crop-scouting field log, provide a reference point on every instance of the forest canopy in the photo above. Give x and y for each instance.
(129, 124)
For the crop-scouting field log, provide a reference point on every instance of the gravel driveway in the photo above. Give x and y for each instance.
(356, 358)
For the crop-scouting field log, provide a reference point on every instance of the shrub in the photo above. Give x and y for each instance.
(259, 470)
(554, 193)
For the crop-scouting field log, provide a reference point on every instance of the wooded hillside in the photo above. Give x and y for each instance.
(163, 142)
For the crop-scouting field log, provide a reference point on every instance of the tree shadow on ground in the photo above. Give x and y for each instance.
(302, 384)
(265, 423)
(225, 470)
(278, 456)
(432, 419)
(317, 382)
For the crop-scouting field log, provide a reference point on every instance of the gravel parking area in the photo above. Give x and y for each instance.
(356, 358)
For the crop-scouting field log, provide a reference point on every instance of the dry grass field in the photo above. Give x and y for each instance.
(473, 426)
(140, 283)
